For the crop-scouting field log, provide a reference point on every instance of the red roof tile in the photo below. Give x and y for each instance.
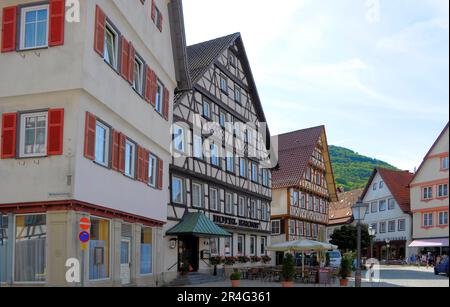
(294, 152)
(341, 211)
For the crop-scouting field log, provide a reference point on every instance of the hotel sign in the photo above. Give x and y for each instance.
(309, 215)
(235, 222)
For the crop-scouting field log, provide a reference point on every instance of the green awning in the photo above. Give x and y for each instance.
(199, 225)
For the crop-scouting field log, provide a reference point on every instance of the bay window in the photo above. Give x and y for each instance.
(99, 249)
(34, 27)
(146, 251)
(33, 134)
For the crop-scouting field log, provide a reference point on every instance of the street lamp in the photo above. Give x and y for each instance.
(359, 213)
(387, 250)
(372, 233)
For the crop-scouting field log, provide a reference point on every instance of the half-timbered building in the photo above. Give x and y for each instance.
(218, 169)
(303, 187)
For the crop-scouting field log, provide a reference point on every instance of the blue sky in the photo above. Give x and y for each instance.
(375, 72)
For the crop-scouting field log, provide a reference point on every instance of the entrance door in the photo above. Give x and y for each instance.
(189, 250)
(125, 261)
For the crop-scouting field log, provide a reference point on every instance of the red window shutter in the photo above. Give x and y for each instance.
(154, 89)
(132, 54)
(100, 24)
(55, 132)
(57, 17)
(140, 164)
(148, 84)
(153, 10)
(146, 166)
(122, 142)
(166, 103)
(115, 152)
(124, 58)
(89, 136)
(160, 174)
(9, 128)
(160, 22)
(9, 26)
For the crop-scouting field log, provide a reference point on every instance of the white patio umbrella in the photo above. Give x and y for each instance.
(302, 246)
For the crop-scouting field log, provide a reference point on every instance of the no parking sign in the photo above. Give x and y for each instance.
(84, 236)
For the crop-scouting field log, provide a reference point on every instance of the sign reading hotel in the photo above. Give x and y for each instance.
(309, 215)
(235, 222)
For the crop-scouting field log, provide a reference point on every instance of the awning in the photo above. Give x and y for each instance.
(430, 243)
(199, 225)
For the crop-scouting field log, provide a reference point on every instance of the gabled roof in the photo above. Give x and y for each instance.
(397, 183)
(341, 211)
(197, 224)
(430, 151)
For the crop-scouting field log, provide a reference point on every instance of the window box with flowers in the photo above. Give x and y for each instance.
(243, 259)
(230, 260)
(266, 259)
(255, 259)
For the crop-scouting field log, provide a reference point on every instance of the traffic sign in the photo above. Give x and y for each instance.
(85, 223)
(84, 236)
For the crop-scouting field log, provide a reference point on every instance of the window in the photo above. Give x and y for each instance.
(252, 246)
(310, 202)
(318, 178)
(391, 204)
(232, 59)
(242, 168)
(230, 162)
(276, 227)
(264, 212)
(375, 186)
(315, 230)
(382, 204)
(316, 204)
(198, 147)
(302, 200)
(214, 246)
(308, 230)
(223, 84)
(375, 226)
(427, 193)
(265, 177)
(241, 207)
(177, 190)
(292, 227)
(228, 246)
(308, 174)
(99, 249)
(382, 227)
(253, 209)
(33, 134)
(402, 225)
(152, 170)
(263, 246)
(214, 200)
(300, 228)
(138, 75)
(374, 207)
(34, 27)
(206, 109)
(159, 19)
(222, 119)
(3, 246)
(391, 226)
(111, 46)
(238, 94)
(146, 250)
(159, 97)
(381, 184)
(444, 164)
(229, 203)
(102, 133)
(322, 206)
(30, 248)
(428, 219)
(197, 195)
(254, 172)
(295, 198)
(241, 245)
(130, 157)
(443, 190)
(443, 218)
(178, 138)
(215, 155)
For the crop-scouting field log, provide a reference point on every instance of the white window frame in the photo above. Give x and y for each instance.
(152, 170)
(216, 199)
(229, 203)
(373, 205)
(107, 143)
(402, 222)
(383, 201)
(159, 99)
(241, 206)
(223, 82)
(182, 139)
(109, 253)
(375, 186)
(115, 36)
(23, 13)
(393, 202)
(200, 196)
(222, 118)
(22, 134)
(242, 168)
(426, 218)
(242, 252)
(206, 106)
(390, 223)
(237, 94)
(137, 84)
(255, 248)
(253, 209)
(263, 246)
(427, 193)
(381, 185)
(229, 162)
(444, 216)
(445, 163)
(215, 155)
(383, 227)
(181, 180)
(197, 150)
(278, 227)
(440, 190)
(132, 172)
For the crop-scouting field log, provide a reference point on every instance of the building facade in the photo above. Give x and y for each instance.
(389, 213)
(218, 169)
(83, 103)
(303, 187)
(429, 199)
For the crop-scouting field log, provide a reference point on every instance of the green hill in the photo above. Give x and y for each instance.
(352, 170)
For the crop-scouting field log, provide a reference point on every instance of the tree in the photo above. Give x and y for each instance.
(346, 236)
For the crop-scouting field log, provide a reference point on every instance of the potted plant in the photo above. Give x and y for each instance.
(288, 271)
(235, 279)
(215, 261)
(345, 270)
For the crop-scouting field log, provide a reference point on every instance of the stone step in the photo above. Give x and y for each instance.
(194, 279)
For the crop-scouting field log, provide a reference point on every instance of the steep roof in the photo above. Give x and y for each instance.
(398, 184)
(430, 151)
(340, 212)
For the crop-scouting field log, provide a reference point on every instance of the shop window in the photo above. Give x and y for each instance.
(146, 251)
(99, 249)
